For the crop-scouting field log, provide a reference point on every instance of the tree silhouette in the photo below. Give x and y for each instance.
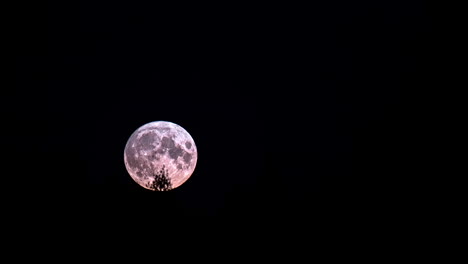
(161, 180)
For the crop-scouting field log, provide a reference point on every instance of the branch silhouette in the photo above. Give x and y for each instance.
(161, 180)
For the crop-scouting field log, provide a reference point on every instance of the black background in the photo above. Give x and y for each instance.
(299, 113)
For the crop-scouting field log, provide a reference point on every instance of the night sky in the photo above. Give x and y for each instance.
(294, 110)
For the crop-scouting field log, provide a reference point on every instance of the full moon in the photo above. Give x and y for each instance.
(160, 156)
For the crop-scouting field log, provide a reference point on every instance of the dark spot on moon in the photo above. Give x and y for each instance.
(187, 157)
(139, 174)
(179, 166)
(188, 144)
(176, 152)
(146, 141)
(167, 143)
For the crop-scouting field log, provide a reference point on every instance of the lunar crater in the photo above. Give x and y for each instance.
(188, 145)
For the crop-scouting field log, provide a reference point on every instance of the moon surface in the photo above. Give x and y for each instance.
(160, 156)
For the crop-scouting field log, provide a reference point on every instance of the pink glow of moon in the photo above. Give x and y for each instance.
(160, 156)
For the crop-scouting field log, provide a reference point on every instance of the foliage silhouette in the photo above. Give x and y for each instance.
(161, 180)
